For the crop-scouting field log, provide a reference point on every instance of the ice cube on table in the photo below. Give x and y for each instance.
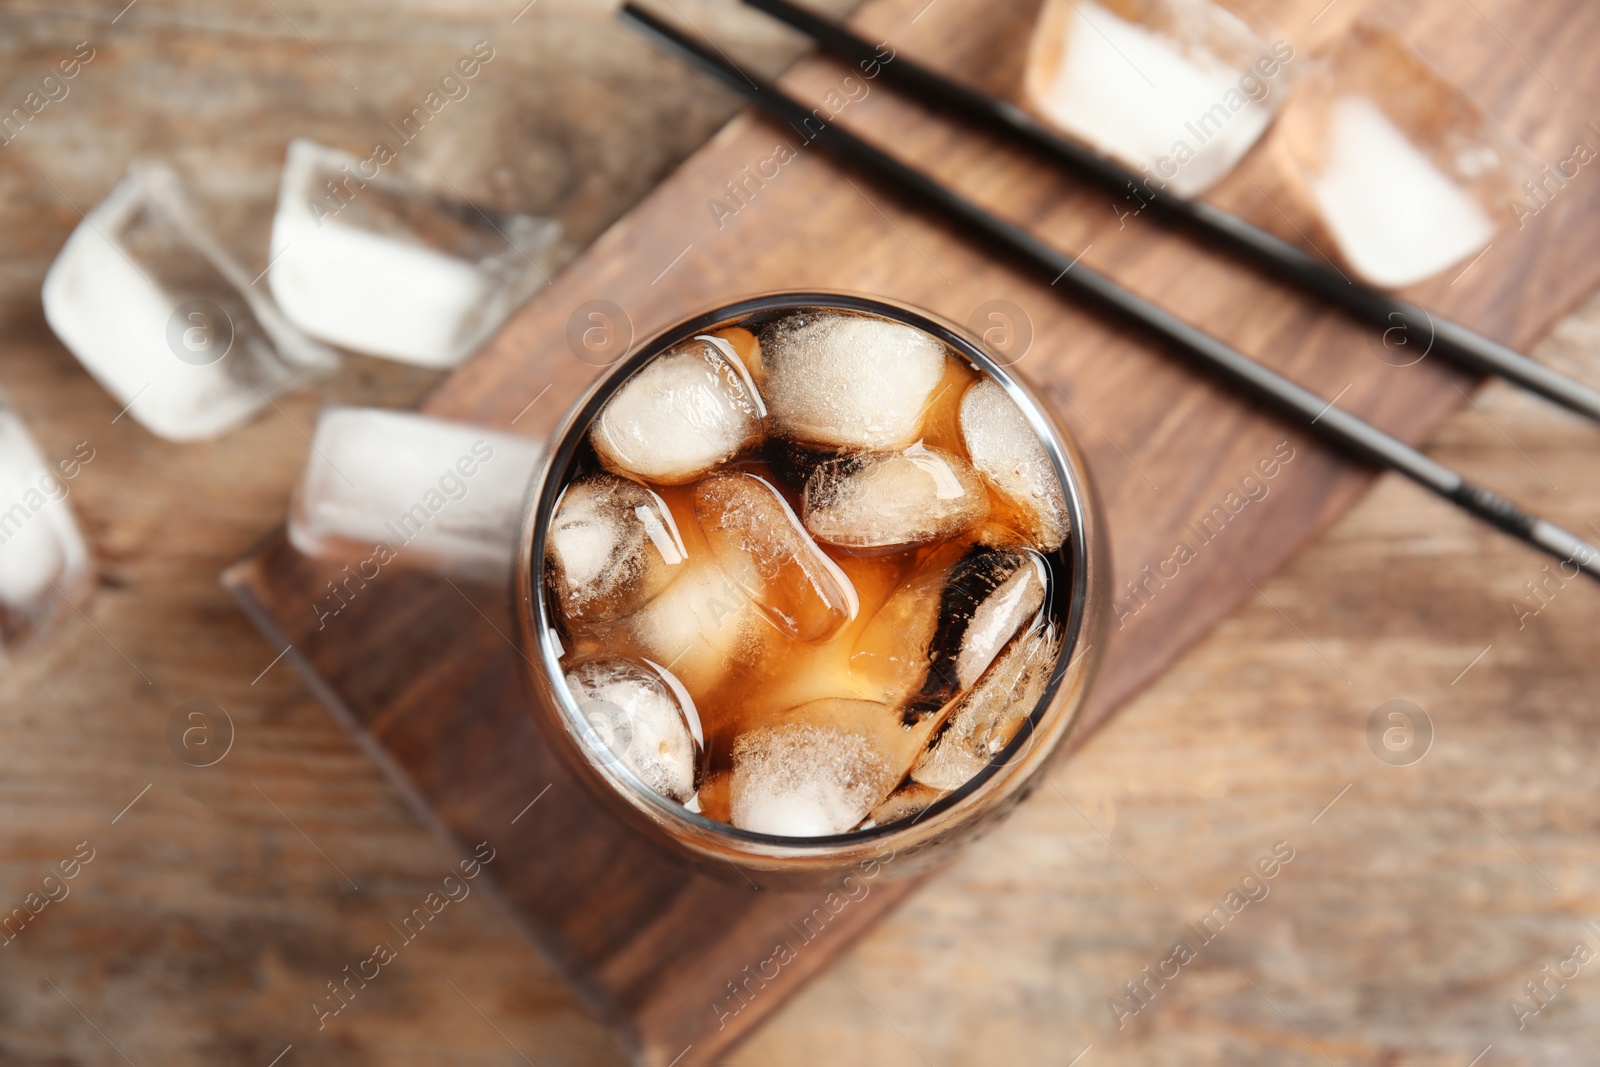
(1406, 173)
(429, 493)
(848, 381)
(364, 259)
(1395, 216)
(799, 780)
(612, 546)
(889, 500)
(640, 716)
(942, 627)
(987, 718)
(1178, 88)
(1007, 451)
(757, 541)
(43, 561)
(684, 412)
(165, 319)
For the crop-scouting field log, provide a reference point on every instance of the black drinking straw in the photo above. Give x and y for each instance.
(1281, 259)
(1299, 405)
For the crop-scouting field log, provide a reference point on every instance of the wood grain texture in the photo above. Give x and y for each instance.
(1167, 450)
(213, 915)
(422, 673)
(207, 922)
(1417, 904)
(1164, 447)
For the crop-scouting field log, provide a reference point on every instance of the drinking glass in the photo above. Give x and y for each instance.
(1079, 607)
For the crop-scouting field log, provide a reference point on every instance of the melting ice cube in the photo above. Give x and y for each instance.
(909, 800)
(987, 718)
(165, 319)
(849, 381)
(700, 626)
(758, 542)
(432, 493)
(889, 500)
(684, 412)
(612, 546)
(1406, 173)
(362, 259)
(640, 716)
(799, 780)
(939, 631)
(879, 726)
(1397, 218)
(1007, 452)
(1180, 88)
(42, 555)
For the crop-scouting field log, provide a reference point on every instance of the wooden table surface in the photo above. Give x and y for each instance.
(219, 904)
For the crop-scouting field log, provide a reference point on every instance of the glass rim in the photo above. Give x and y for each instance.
(529, 591)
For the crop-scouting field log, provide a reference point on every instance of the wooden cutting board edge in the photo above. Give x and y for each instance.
(237, 579)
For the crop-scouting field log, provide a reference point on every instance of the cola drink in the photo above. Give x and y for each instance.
(809, 572)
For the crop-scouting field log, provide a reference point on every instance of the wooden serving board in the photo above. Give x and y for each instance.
(422, 673)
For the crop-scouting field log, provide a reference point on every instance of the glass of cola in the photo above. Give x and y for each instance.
(810, 581)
